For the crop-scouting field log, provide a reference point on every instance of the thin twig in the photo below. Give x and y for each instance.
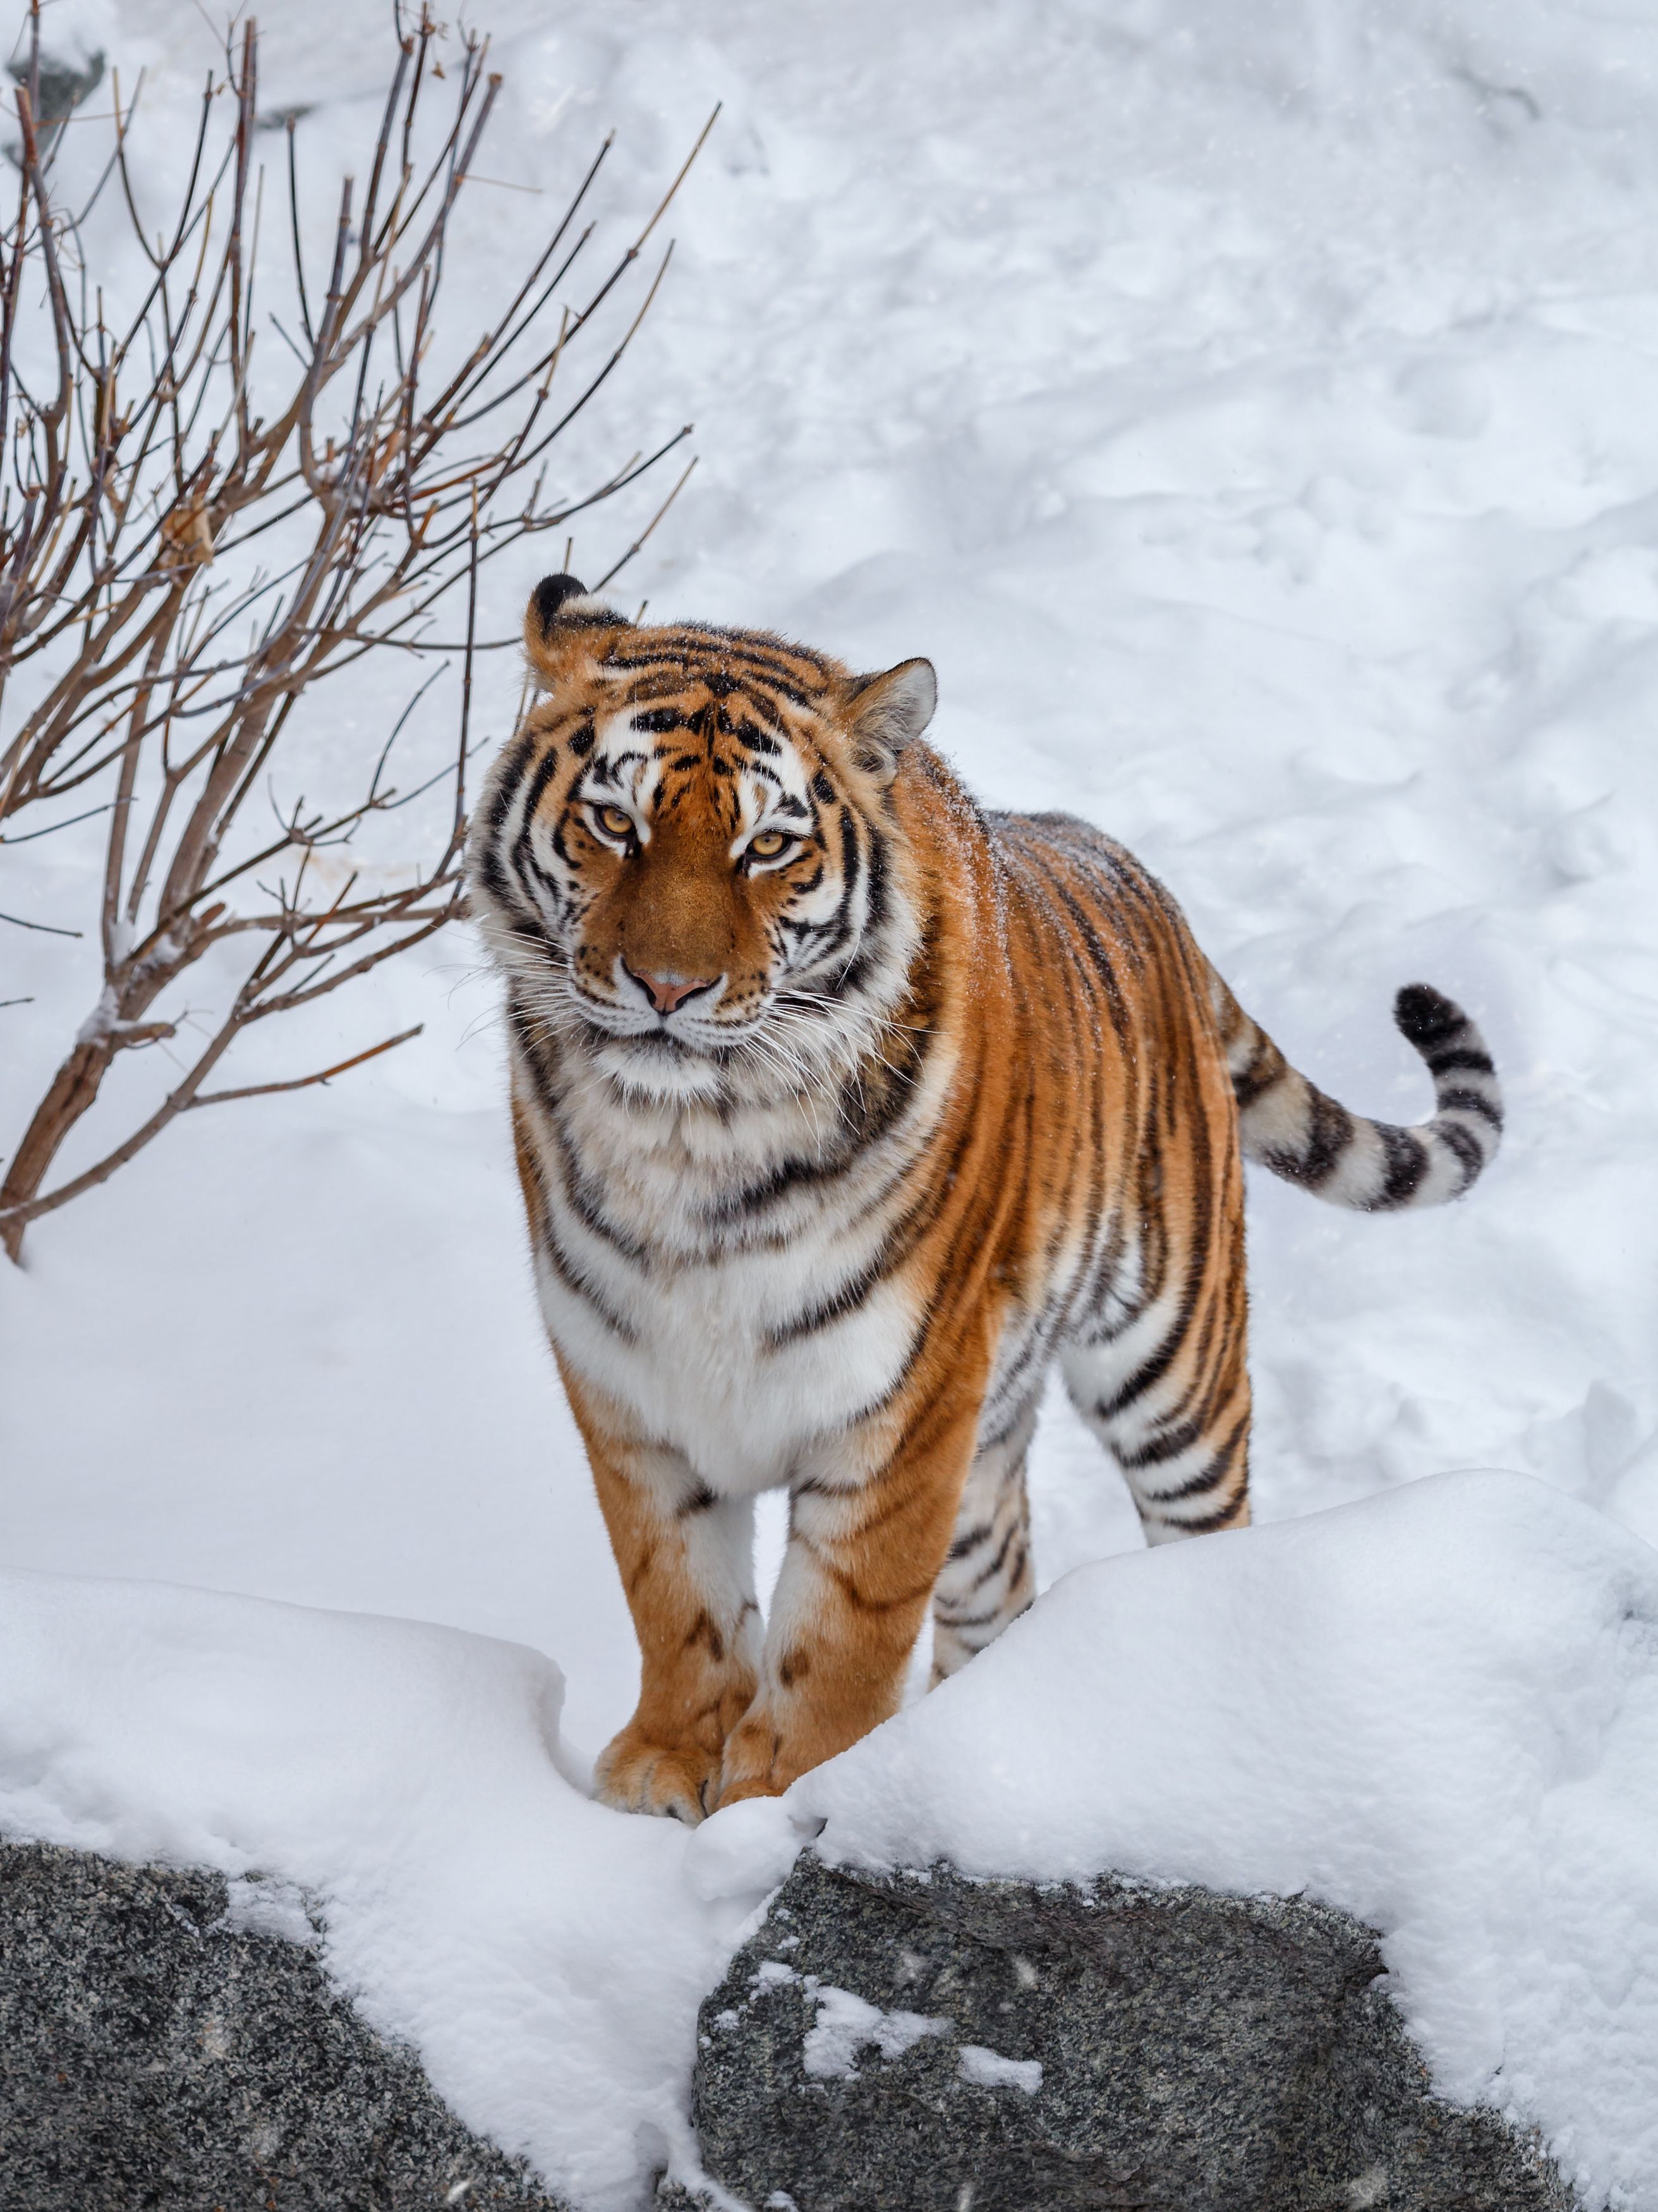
(52, 828)
(639, 541)
(46, 928)
(304, 1082)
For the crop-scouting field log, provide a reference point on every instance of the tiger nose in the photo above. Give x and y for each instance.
(667, 992)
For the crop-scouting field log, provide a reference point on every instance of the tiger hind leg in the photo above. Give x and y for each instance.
(988, 1577)
(1168, 1396)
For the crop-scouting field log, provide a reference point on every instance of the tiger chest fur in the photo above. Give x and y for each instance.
(720, 1311)
(843, 1111)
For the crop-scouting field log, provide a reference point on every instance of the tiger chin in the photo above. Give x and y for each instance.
(843, 1109)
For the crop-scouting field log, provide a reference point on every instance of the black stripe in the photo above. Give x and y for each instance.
(1408, 1161)
(872, 952)
(994, 1566)
(538, 783)
(846, 1300)
(1167, 1445)
(1471, 1101)
(1267, 1067)
(579, 1196)
(1103, 965)
(569, 1275)
(1216, 1469)
(1149, 1371)
(1329, 1138)
(508, 773)
(976, 1535)
(1207, 1524)
(1037, 1345)
(1467, 1147)
(775, 675)
(750, 734)
(1440, 1063)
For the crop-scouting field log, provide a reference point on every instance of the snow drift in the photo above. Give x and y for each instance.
(1437, 1710)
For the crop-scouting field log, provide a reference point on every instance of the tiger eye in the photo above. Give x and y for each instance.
(615, 821)
(769, 844)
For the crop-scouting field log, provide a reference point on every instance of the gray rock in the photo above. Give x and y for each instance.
(905, 2042)
(1028, 2049)
(154, 2055)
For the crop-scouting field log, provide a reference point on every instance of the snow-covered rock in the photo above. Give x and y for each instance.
(1435, 1711)
(920, 2041)
(544, 1956)
(171, 2041)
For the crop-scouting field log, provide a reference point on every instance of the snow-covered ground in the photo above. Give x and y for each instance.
(1438, 1708)
(546, 1955)
(1249, 409)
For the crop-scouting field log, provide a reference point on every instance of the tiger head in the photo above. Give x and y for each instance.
(687, 858)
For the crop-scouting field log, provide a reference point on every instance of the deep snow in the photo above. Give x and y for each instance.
(1438, 1708)
(1249, 412)
(546, 1954)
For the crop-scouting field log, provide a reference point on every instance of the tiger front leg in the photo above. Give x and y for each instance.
(686, 1558)
(864, 1554)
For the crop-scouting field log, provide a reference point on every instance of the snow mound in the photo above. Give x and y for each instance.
(1437, 1709)
(546, 1956)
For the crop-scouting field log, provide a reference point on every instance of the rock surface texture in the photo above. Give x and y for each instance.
(918, 2041)
(883, 2044)
(164, 2042)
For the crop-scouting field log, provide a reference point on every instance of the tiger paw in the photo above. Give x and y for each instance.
(680, 1781)
(756, 1762)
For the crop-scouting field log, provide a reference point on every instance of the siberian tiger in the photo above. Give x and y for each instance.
(843, 1109)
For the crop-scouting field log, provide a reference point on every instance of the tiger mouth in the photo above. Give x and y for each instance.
(614, 1025)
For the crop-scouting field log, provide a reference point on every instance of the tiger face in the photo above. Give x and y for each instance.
(686, 859)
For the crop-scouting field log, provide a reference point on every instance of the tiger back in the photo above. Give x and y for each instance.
(843, 1110)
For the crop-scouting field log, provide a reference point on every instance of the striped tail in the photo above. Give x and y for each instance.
(1288, 1125)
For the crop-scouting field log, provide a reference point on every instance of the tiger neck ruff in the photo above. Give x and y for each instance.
(842, 1109)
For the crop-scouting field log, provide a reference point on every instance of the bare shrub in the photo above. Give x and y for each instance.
(188, 545)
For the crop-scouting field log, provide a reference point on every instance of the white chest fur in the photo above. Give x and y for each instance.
(686, 1285)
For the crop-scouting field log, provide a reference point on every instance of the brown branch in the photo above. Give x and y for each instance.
(157, 453)
(639, 541)
(16, 1217)
(304, 1082)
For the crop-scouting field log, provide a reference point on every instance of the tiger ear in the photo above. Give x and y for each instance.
(561, 628)
(889, 711)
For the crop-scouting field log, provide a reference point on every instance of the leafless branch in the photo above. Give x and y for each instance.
(148, 455)
(304, 1082)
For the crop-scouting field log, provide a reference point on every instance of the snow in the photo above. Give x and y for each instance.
(1249, 413)
(545, 1955)
(846, 2024)
(988, 2069)
(1436, 1708)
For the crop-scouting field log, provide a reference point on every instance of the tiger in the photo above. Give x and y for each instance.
(843, 1109)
